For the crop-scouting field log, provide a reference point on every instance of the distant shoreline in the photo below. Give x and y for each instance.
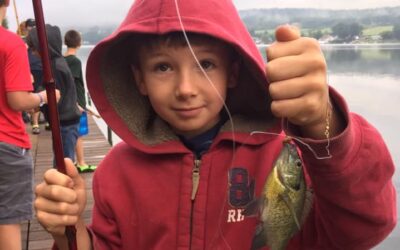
(322, 44)
(350, 45)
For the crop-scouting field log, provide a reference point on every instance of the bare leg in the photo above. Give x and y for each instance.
(35, 118)
(10, 237)
(80, 158)
(35, 122)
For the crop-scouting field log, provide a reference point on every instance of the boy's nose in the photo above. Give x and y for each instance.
(186, 86)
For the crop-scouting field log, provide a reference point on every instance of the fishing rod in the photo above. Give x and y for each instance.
(48, 80)
(19, 31)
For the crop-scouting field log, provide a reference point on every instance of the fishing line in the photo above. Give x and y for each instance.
(328, 156)
(327, 147)
(206, 75)
(225, 107)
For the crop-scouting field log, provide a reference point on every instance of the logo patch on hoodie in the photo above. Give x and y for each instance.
(241, 192)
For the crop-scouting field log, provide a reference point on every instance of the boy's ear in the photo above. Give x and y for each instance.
(137, 74)
(234, 75)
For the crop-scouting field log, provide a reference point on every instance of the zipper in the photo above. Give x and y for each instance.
(195, 187)
(195, 178)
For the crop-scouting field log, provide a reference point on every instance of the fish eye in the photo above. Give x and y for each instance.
(298, 163)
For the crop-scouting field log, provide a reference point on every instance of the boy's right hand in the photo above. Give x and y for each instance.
(60, 199)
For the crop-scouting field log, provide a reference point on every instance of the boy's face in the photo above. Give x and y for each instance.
(179, 91)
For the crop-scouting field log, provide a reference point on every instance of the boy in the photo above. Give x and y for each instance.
(16, 166)
(72, 39)
(187, 167)
(68, 111)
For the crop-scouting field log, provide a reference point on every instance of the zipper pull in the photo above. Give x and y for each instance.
(195, 178)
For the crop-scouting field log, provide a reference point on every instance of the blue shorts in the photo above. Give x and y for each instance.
(16, 184)
(69, 135)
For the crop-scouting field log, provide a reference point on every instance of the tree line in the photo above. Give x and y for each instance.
(343, 25)
(341, 32)
(348, 32)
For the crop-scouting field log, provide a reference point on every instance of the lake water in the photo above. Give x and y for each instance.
(368, 76)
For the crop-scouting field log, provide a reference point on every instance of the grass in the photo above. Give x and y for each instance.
(376, 30)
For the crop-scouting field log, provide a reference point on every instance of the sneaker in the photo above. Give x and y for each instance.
(85, 168)
(92, 167)
(47, 126)
(35, 129)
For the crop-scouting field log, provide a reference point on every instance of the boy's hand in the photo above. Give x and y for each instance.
(296, 70)
(60, 199)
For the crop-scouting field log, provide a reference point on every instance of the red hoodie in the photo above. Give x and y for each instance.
(143, 187)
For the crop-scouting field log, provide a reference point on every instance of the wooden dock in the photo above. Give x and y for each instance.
(34, 237)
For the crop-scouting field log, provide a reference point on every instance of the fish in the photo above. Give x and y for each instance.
(284, 203)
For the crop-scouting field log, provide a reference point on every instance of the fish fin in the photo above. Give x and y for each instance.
(285, 197)
(259, 239)
(308, 204)
(253, 208)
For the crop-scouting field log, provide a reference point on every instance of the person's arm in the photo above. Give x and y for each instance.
(346, 159)
(23, 100)
(355, 199)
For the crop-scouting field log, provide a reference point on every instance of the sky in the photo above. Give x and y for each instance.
(75, 13)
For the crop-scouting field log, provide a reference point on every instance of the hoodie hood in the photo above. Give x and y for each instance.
(54, 40)
(129, 114)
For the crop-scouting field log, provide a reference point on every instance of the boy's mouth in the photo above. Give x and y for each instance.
(188, 112)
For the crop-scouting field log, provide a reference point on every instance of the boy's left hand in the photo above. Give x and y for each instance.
(296, 71)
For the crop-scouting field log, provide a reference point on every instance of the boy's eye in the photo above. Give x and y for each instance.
(162, 67)
(207, 65)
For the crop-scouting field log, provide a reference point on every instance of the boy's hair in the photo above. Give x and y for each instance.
(72, 39)
(30, 23)
(22, 31)
(175, 40)
(4, 3)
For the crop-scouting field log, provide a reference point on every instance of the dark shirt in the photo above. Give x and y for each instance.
(201, 143)
(75, 66)
(34, 61)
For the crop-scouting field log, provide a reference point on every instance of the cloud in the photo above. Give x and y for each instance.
(77, 13)
(73, 12)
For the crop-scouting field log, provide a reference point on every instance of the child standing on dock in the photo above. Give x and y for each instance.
(16, 166)
(73, 40)
(184, 86)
